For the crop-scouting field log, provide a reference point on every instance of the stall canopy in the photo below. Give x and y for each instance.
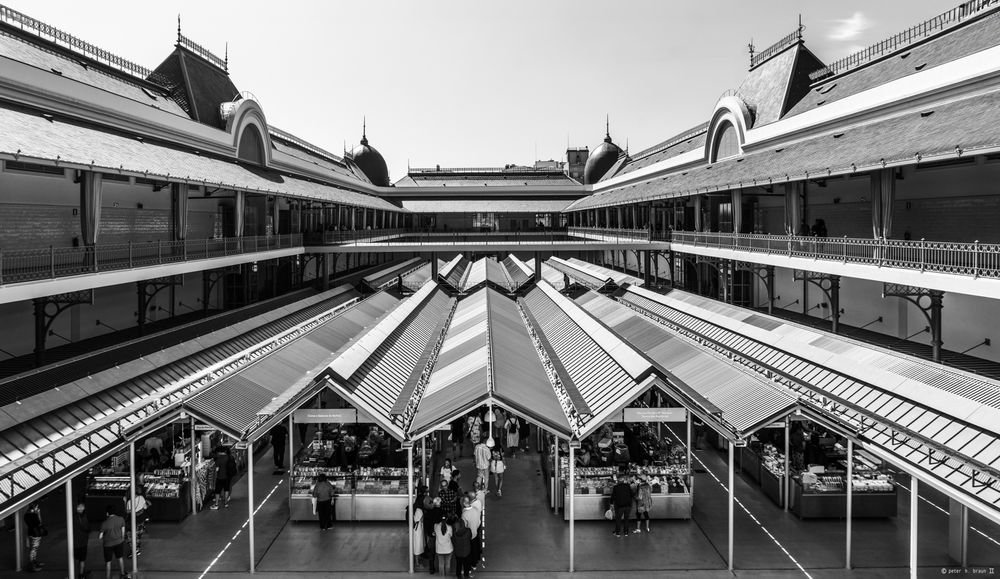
(454, 272)
(938, 422)
(388, 275)
(585, 277)
(235, 404)
(553, 276)
(518, 271)
(601, 372)
(487, 356)
(618, 277)
(736, 401)
(379, 373)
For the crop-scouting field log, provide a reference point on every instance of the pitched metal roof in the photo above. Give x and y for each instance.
(605, 373)
(585, 276)
(616, 276)
(387, 276)
(33, 137)
(746, 401)
(378, 383)
(968, 125)
(235, 403)
(518, 272)
(940, 430)
(454, 273)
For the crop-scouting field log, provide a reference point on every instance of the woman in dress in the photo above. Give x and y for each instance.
(497, 467)
(512, 427)
(418, 530)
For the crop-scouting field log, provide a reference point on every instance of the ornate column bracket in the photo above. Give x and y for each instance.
(47, 309)
(147, 290)
(765, 273)
(929, 302)
(829, 284)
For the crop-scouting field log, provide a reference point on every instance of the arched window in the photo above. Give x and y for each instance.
(251, 146)
(727, 143)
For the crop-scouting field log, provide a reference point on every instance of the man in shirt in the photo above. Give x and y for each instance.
(112, 538)
(482, 454)
(471, 516)
(279, 440)
(323, 493)
(81, 537)
(621, 499)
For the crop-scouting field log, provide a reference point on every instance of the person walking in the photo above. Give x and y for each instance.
(457, 441)
(462, 541)
(643, 502)
(442, 543)
(513, 428)
(279, 443)
(112, 538)
(432, 517)
(225, 472)
(621, 501)
(36, 530)
(323, 493)
(497, 467)
(141, 508)
(446, 470)
(419, 538)
(81, 538)
(482, 454)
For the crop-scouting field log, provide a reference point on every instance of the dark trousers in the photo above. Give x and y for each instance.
(429, 550)
(278, 449)
(325, 511)
(463, 566)
(621, 519)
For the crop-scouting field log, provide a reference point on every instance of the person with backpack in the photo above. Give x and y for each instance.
(497, 467)
(621, 502)
(513, 428)
(225, 473)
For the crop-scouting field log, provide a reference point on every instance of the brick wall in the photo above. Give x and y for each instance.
(29, 225)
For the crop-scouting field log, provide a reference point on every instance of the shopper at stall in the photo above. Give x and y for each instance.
(482, 454)
(449, 498)
(462, 542)
(323, 493)
(442, 543)
(432, 517)
(643, 502)
(279, 439)
(513, 429)
(141, 510)
(446, 469)
(474, 427)
(621, 503)
(112, 538)
(225, 472)
(457, 443)
(36, 530)
(497, 468)
(81, 537)
(472, 513)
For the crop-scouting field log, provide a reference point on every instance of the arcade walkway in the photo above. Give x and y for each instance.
(524, 538)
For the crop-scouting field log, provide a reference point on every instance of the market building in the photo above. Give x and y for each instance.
(782, 319)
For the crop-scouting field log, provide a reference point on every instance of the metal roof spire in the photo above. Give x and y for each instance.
(364, 130)
(178, 28)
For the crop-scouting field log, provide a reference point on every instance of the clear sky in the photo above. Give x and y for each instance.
(469, 83)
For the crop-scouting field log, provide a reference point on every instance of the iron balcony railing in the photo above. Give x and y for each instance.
(23, 265)
(973, 259)
(623, 235)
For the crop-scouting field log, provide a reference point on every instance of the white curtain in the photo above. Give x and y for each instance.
(792, 207)
(697, 213)
(239, 213)
(737, 210)
(180, 207)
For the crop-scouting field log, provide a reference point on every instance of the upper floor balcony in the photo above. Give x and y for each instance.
(964, 267)
(35, 272)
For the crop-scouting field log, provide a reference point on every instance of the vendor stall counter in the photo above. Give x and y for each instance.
(824, 495)
(671, 491)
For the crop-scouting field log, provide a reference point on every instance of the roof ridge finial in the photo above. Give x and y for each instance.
(225, 61)
(364, 130)
(607, 128)
(178, 28)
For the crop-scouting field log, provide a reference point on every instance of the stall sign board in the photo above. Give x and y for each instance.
(203, 427)
(326, 415)
(654, 415)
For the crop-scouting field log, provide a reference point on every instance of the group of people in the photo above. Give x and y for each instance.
(631, 493)
(112, 534)
(509, 431)
(449, 526)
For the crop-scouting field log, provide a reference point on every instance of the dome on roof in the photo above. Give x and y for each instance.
(603, 158)
(371, 163)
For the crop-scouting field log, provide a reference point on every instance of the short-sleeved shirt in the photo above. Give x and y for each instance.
(222, 465)
(113, 529)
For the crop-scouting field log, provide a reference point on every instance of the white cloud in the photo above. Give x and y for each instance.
(850, 28)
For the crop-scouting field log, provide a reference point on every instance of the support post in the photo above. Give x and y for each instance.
(647, 280)
(732, 502)
(194, 481)
(914, 524)
(936, 302)
(835, 302)
(19, 540)
(70, 561)
(538, 267)
(253, 558)
(572, 525)
(788, 429)
(770, 309)
(131, 502)
(958, 532)
(555, 476)
(689, 440)
(409, 501)
(850, 501)
(423, 461)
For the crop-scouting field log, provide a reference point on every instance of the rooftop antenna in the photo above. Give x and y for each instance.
(607, 125)
(364, 130)
(225, 62)
(801, 28)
